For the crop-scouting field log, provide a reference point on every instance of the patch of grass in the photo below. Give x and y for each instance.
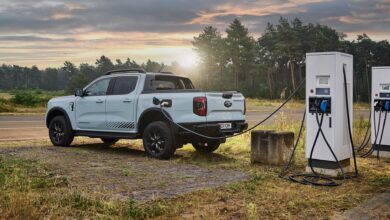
(26, 101)
(382, 180)
(252, 103)
(126, 172)
(28, 190)
(273, 103)
(252, 211)
(22, 175)
(134, 211)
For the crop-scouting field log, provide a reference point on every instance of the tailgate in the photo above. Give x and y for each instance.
(225, 106)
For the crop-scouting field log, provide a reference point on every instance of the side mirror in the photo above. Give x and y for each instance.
(79, 92)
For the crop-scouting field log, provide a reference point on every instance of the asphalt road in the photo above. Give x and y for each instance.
(26, 127)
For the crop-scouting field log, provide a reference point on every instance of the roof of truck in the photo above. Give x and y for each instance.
(135, 70)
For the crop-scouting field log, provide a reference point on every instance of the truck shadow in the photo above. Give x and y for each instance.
(137, 151)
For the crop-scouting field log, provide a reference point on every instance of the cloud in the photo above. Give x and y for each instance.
(87, 28)
(31, 38)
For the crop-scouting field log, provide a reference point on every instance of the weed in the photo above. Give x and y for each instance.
(257, 177)
(235, 187)
(155, 209)
(126, 172)
(251, 211)
(133, 211)
(82, 202)
(381, 180)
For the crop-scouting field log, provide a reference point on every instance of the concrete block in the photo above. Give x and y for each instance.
(270, 147)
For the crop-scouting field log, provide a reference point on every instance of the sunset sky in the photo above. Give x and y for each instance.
(47, 32)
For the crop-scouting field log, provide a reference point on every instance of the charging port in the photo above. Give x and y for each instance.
(320, 105)
(382, 105)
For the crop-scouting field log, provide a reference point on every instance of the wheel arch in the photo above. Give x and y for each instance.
(151, 115)
(56, 111)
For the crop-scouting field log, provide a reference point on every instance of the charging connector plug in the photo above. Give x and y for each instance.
(324, 106)
(387, 106)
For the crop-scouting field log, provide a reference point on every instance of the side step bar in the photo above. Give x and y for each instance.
(100, 134)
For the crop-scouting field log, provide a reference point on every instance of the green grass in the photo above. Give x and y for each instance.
(26, 101)
(28, 190)
(252, 103)
(273, 103)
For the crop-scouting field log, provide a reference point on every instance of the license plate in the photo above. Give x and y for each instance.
(225, 125)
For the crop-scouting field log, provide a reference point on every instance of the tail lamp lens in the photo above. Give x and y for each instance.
(200, 106)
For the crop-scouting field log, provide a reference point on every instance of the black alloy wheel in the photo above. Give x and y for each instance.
(60, 131)
(158, 140)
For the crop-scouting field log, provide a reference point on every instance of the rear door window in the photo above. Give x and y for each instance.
(171, 83)
(124, 85)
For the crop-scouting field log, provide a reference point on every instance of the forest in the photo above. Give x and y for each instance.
(270, 66)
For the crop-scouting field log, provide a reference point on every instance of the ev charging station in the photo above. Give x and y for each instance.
(380, 125)
(326, 110)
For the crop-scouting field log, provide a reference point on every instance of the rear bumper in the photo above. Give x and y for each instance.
(212, 128)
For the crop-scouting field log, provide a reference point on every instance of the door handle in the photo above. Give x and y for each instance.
(126, 101)
(99, 101)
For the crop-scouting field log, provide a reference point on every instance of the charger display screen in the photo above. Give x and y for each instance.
(322, 80)
(385, 87)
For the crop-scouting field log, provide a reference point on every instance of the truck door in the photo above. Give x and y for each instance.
(91, 108)
(121, 103)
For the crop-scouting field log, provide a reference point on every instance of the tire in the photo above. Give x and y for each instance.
(60, 131)
(206, 147)
(158, 140)
(109, 141)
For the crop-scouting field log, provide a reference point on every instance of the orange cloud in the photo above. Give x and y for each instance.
(251, 8)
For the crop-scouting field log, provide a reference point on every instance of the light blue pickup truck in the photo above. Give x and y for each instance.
(125, 104)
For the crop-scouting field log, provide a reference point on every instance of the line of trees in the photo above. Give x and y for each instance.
(272, 65)
(267, 67)
(69, 76)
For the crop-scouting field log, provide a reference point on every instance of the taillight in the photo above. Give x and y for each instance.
(244, 106)
(200, 106)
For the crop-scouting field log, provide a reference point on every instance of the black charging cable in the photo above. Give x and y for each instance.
(315, 178)
(349, 122)
(367, 135)
(380, 140)
(289, 163)
(162, 105)
(376, 132)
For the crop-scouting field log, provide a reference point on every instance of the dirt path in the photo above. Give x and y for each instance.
(123, 173)
(376, 208)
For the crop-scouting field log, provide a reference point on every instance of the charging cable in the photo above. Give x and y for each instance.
(164, 104)
(349, 122)
(376, 133)
(314, 178)
(377, 129)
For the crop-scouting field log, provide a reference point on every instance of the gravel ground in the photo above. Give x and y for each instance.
(123, 173)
